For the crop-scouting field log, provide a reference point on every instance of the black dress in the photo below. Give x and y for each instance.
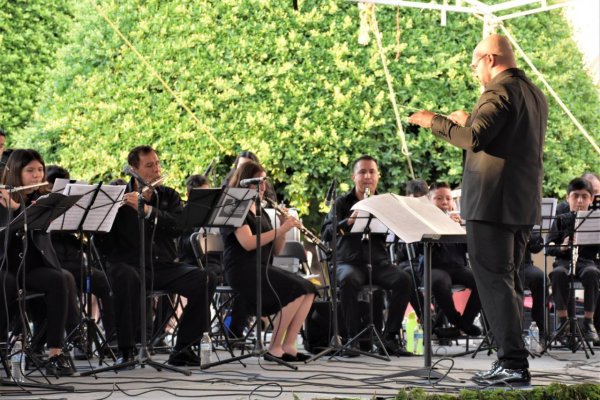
(279, 287)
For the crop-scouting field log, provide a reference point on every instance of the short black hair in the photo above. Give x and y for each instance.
(362, 158)
(580, 184)
(439, 185)
(56, 171)
(416, 188)
(133, 158)
(194, 181)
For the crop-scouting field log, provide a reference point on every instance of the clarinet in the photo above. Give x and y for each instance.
(366, 195)
(311, 237)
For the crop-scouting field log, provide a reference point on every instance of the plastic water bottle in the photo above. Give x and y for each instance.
(418, 340)
(534, 337)
(411, 327)
(16, 362)
(205, 349)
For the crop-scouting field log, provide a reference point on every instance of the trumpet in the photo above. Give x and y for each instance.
(311, 237)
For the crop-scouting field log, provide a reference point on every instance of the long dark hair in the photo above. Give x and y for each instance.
(245, 171)
(18, 160)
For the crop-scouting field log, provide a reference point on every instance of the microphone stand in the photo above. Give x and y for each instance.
(335, 344)
(143, 357)
(259, 348)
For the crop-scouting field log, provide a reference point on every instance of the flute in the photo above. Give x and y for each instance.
(311, 237)
(150, 186)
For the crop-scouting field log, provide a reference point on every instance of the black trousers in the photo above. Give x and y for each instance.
(533, 279)
(99, 288)
(441, 287)
(587, 272)
(496, 250)
(189, 281)
(58, 302)
(388, 276)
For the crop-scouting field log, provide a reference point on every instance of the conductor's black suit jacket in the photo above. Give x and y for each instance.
(504, 141)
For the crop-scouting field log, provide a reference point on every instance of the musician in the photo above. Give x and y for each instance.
(449, 266)
(161, 208)
(353, 257)
(283, 292)
(579, 197)
(242, 158)
(41, 269)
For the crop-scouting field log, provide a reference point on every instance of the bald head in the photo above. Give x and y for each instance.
(495, 55)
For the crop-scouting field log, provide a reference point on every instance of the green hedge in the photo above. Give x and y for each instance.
(555, 391)
(295, 87)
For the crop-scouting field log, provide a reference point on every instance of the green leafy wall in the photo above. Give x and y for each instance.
(295, 87)
(30, 34)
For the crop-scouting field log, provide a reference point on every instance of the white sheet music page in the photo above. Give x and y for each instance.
(71, 220)
(587, 226)
(408, 217)
(104, 210)
(375, 225)
(60, 184)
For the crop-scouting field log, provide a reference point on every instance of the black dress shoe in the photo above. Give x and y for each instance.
(501, 376)
(184, 358)
(300, 357)
(124, 359)
(350, 351)
(59, 365)
(271, 357)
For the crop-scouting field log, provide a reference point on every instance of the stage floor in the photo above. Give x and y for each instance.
(326, 378)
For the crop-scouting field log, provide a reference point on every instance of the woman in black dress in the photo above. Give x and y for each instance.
(285, 293)
(41, 268)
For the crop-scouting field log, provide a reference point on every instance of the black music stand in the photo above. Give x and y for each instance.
(585, 231)
(39, 216)
(143, 357)
(236, 203)
(416, 220)
(94, 212)
(216, 208)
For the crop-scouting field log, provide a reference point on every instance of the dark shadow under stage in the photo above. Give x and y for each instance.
(325, 378)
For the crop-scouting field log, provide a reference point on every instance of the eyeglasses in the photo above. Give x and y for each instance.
(474, 65)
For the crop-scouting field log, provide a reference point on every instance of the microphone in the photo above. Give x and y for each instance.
(210, 168)
(330, 192)
(252, 181)
(128, 170)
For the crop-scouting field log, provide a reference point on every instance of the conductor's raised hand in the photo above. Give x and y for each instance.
(422, 118)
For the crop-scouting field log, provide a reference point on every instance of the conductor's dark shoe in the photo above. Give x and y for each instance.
(503, 376)
(184, 358)
(351, 350)
(59, 365)
(589, 332)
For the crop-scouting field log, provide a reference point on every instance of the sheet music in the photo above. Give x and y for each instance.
(60, 184)
(548, 213)
(362, 219)
(233, 206)
(71, 220)
(410, 218)
(104, 210)
(587, 224)
(101, 214)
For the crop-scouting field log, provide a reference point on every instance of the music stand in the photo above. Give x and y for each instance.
(416, 219)
(231, 210)
(94, 212)
(38, 216)
(585, 231)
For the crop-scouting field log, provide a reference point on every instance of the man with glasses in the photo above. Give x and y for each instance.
(503, 140)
